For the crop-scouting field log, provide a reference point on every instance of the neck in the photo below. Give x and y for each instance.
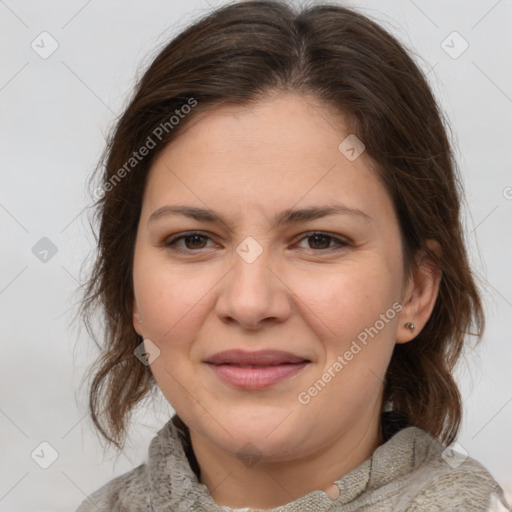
(270, 484)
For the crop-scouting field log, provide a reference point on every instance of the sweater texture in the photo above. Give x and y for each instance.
(409, 472)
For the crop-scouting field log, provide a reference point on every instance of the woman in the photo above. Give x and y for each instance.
(281, 255)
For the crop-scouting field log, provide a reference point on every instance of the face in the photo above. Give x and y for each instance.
(325, 289)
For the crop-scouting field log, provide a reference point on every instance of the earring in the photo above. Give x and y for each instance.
(409, 325)
(140, 321)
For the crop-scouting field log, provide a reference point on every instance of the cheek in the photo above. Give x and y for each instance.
(357, 329)
(172, 303)
(357, 337)
(347, 298)
(171, 299)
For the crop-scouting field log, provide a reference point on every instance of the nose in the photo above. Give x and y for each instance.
(254, 293)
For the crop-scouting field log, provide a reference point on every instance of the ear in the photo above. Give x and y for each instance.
(137, 323)
(420, 294)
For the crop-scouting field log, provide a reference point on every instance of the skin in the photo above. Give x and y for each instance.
(303, 295)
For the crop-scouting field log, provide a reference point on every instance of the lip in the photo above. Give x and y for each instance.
(255, 370)
(256, 358)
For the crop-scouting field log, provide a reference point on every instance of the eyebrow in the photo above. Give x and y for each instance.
(289, 216)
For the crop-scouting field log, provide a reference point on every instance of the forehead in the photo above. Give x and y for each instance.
(279, 152)
(281, 121)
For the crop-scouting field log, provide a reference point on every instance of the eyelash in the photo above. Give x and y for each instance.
(171, 243)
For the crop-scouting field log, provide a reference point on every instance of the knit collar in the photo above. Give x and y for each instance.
(175, 485)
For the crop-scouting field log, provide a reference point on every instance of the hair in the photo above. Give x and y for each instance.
(238, 54)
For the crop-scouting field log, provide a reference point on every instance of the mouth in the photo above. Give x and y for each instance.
(255, 370)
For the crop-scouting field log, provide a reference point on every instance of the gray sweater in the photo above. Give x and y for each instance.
(409, 472)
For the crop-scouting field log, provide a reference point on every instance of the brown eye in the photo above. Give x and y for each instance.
(319, 241)
(192, 242)
(195, 241)
(322, 242)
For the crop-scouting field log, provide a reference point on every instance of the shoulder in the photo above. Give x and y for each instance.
(122, 494)
(469, 488)
(449, 480)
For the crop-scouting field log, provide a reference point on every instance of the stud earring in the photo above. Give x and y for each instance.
(409, 325)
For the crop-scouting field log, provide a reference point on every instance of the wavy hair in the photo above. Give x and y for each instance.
(236, 54)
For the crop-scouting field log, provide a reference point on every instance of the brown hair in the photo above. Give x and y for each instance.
(236, 54)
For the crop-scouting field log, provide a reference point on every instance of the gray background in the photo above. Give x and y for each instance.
(55, 113)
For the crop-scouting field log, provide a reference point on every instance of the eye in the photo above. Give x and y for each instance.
(194, 240)
(320, 241)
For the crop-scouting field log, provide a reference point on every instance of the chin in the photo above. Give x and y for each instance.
(264, 448)
(263, 432)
